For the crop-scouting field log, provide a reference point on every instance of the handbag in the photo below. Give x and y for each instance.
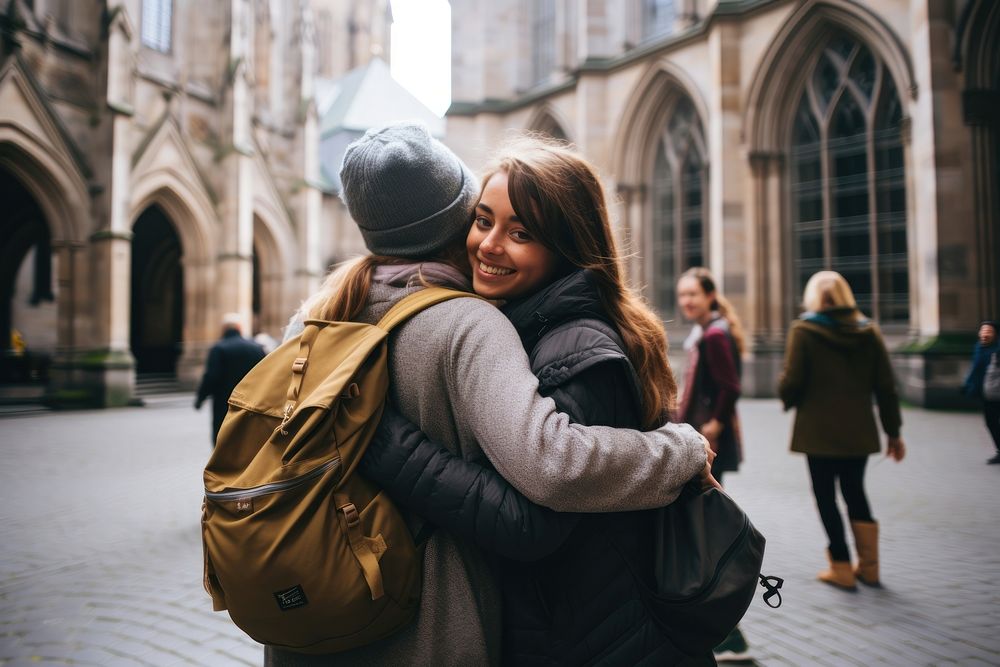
(707, 567)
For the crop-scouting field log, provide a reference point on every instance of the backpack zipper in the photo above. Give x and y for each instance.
(272, 487)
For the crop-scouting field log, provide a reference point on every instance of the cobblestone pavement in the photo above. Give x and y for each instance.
(100, 560)
(940, 539)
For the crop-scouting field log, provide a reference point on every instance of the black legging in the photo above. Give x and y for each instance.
(851, 472)
(991, 411)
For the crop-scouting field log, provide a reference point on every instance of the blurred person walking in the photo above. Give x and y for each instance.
(712, 376)
(229, 360)
(983, 380)
(835, 360)
(711, 387)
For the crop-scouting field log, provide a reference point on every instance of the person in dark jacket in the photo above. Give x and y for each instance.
(573, 585)
(714, 351)
(229, 360)
(835, 360)
(986, 358)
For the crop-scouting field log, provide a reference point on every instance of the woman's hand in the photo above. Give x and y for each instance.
(705, 480)
(712, 429)
(896, 449)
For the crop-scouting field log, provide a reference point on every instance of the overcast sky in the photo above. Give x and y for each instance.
(421, 50)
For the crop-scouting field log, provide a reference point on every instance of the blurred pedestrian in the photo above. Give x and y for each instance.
(835, 360)
(711, 386)
(229, 360)
(983, 380)
(712, 377)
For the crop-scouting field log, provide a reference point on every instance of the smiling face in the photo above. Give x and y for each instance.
(507, 262)
(694, 302)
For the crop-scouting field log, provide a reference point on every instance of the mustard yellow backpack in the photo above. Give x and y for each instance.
(303, 553)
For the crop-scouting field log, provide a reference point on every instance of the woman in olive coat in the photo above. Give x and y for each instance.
(835, 360)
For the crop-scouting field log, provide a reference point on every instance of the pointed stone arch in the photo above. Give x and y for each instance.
(165, 174)
(655, 98)
(37, 150)
(644, 116)
(274, 247)
(39, 155)
(547, 120)
(780, 77)
(769, 120)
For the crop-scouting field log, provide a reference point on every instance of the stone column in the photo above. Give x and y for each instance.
(105, 371)
(942, 252)
(766, 273)
(982, 113)
(309, 271)
(235, 261)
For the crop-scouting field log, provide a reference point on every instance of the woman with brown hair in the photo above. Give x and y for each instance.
(714, 363)
(458, 371)
(574, 586)
(835, 361)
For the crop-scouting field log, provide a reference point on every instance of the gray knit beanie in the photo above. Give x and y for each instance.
(410, 195)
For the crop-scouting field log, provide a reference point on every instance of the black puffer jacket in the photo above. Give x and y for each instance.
(573, 585)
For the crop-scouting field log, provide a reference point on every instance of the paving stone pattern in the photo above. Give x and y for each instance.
(100, 556)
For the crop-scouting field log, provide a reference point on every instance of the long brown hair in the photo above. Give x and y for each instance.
(345, 290)
(719, 303)
(560, 200)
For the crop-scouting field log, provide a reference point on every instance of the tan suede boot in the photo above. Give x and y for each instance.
(866, 541)
(840, 574)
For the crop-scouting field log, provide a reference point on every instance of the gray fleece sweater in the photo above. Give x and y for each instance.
(458, 370)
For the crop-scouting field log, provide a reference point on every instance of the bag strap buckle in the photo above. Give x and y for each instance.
(351, 514)
(299, 365)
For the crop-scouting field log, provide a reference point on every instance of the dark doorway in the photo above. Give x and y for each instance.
(27, 335)
(157, 307)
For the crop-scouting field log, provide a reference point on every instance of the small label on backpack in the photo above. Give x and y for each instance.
(291, 598)
(244, 505)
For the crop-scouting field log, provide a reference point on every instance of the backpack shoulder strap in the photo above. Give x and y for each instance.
(412, 304)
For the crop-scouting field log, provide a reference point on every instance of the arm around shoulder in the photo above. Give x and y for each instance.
(461, 496)
(555, 463)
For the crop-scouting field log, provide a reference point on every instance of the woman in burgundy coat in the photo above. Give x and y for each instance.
(712, 377)
(711, 387)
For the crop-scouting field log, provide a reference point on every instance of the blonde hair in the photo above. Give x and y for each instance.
(559, 198)
(828, 290)
(719, 303)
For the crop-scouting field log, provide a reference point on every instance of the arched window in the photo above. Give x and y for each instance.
(678, 192)
(847, 179)
(156, 24)
(543, 40)
(657, 17)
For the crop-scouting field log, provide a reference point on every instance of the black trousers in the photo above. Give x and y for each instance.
(991, 412)
(825, 473)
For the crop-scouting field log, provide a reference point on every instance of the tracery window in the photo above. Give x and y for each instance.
(657, 17)
(848, 180)
(156, 20)
(680, 181)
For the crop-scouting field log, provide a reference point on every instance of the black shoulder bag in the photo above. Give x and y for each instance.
(707, 566)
